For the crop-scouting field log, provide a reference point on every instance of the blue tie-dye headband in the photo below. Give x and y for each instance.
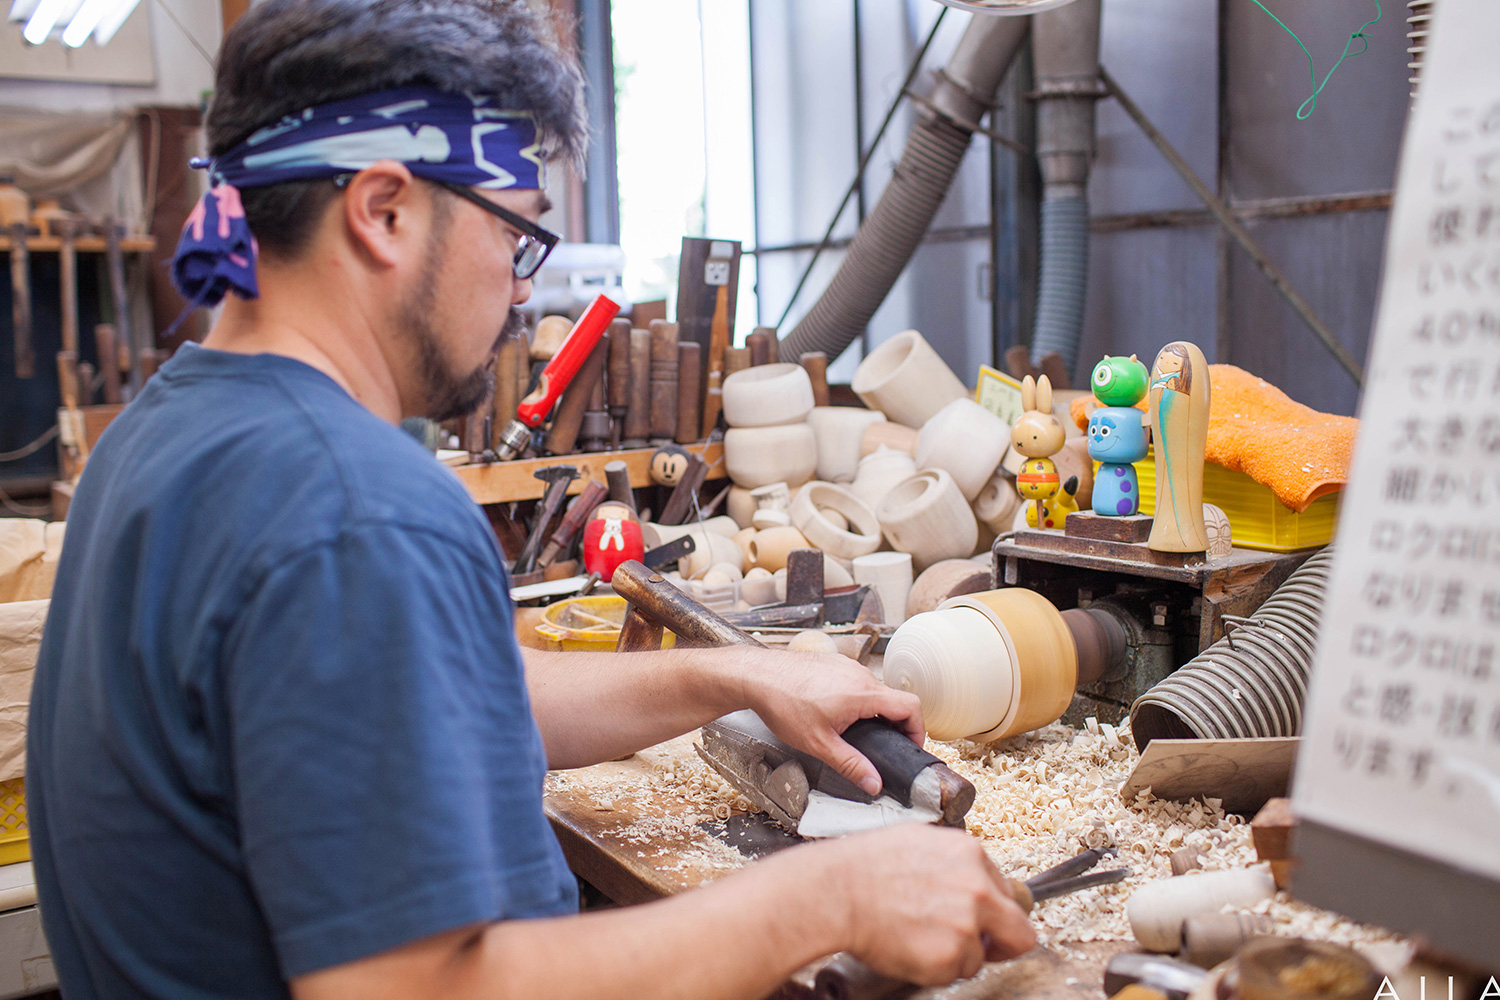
(458, 138)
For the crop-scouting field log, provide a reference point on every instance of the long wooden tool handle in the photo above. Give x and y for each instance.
(660, 602)
(20, 290)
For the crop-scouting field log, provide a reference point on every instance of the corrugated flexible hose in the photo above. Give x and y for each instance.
(1253, 681)
(1062, 288)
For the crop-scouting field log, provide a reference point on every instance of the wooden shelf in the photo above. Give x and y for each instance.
(83, 244)
(503, 482)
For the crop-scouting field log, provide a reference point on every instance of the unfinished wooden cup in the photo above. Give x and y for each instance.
(767, 395)
(860, 538)
(897, 437)
(997, 503)
(928, 516)
(759, 456)
(879, 472)
(965, 440)
(840, 431)
(905, 379)
(890, 575)
(769, 549)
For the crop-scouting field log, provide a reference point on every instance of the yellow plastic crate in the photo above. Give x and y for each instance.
(1256, 518)
(15, 836)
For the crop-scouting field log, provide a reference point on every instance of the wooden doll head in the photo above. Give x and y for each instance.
(1037, 433)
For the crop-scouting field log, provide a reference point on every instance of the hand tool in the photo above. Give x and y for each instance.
(594, 433)
(20, 290)
(510, 369)
(815, 363)
(736, 359)
(638, 416)
(670, 553)
(679, 507)
(556, 376)
(718, 345)
(763, 346)
(908, 772)
(847, 978)
(562, 436)
(618, 378)
(689, 375)
(663, 380)
(558, 478)
(85, 384)
(583, 505)
(114, 256)
(617, 473)
(109, 360)
(67, 260)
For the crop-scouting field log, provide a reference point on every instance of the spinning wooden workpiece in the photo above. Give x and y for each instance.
(1179, 394)
(999, 663)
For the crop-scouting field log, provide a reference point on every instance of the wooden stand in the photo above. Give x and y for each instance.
(1085, 524)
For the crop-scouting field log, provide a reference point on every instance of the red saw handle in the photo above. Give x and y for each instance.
(566, 362)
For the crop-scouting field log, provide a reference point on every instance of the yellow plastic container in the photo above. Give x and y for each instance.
(15, 835)
(1256, 518)
(587, 624)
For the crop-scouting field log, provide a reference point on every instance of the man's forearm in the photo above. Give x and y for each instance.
(592, 707)
(734, 940)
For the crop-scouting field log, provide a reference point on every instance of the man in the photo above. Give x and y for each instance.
(281, 738)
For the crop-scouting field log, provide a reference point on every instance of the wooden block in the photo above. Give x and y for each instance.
(689, 369)
(815, 363)
(663, 380)
(638, 416)
(1271, 830)
(1134, 552)
(1243, 773)
(1083, 524)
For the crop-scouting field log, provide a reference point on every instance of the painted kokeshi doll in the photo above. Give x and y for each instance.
(1179, 397)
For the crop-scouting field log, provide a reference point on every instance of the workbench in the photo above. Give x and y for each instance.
(505, 482)
(635, 845)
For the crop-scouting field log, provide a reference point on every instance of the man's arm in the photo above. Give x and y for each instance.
(918, 902)
(592, 707)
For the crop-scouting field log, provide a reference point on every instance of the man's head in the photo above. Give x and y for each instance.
(434, 270)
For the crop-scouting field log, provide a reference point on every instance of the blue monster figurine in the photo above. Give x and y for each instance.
(1117, 435)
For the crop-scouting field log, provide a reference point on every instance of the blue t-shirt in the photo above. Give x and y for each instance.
(279, 719)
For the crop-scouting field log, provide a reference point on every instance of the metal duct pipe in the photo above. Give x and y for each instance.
(1065, 43)
(885, 243)
(1253, 681)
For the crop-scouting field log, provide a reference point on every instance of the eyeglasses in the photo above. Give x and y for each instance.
(535, 244)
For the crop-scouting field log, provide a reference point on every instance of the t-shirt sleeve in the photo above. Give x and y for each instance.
(386, 766)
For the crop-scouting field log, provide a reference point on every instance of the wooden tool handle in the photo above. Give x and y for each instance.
(572, 523)
(105, 343)
(638, 416)
(660, 602)
(736, 359)
(563, 434)
(759, 342)
(689, 370)
(815, 363)
(664, 378)
(618, 475)
(619, 364)
(20, 290)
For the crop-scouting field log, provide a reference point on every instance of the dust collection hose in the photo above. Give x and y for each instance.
(1253, 681)
(934, 149)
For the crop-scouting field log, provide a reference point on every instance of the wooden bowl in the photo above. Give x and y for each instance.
(840, 543)
(928, 516)
(759, 456)
(897, 437)
(905, 379)
(767, 395)
(879, 472)
(840, 431)
(966, 441)
(1045, 657)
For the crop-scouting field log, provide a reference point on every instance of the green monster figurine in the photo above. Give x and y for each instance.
(1117, 436)
(1120, 381)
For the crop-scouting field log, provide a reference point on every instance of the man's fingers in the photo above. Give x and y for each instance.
(1006, 930)
(904, 710)
(853, 765)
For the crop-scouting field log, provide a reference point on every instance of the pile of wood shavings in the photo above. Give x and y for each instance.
(1045, 796)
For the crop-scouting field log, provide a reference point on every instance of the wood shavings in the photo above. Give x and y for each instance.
(1045, 796)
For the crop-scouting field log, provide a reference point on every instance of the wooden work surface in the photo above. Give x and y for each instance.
(503, 482)
(1084, 553)
(636, 844)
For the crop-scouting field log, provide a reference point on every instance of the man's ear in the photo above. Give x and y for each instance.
(384, 209)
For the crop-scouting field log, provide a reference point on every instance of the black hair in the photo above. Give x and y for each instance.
(286, 55)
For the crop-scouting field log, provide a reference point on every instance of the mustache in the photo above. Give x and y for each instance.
(514, 326)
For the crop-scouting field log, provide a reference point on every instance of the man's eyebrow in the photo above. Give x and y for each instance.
(543, 203)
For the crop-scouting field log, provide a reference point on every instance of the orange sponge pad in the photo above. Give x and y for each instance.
(1297, 452)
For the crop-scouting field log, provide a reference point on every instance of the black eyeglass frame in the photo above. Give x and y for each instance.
(525, 263)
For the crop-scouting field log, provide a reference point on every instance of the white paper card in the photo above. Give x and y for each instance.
(1402, 733)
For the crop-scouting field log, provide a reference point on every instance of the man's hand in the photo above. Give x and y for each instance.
(808, 699)
(925, 903)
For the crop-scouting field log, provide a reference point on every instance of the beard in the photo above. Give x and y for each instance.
(448, 394)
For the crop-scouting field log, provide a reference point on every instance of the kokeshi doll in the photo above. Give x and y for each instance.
(1179, 397)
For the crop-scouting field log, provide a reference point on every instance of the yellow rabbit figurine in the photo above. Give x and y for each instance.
(1038, 435)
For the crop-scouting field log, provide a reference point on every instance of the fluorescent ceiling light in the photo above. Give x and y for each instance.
(86, 20)
(20, 10)
(43, 19)
(110, 23)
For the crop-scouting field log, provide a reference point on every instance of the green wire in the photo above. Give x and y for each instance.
(1306, 110)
